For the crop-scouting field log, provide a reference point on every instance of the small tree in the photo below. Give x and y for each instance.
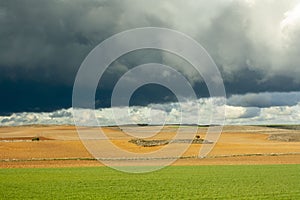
(35, 139)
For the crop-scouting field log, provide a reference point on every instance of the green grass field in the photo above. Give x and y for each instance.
(177, 182)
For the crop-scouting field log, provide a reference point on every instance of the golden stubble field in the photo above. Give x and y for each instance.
(60, 146)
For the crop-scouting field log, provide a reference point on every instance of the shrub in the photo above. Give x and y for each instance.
(35, 139)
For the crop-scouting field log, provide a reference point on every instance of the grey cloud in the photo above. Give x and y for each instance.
(57, 117)
(158, 113)
(250, 113)
(60, 113)
(266, 99)
(249, 36)
(51, 38)
(255, 43)
(6, 120)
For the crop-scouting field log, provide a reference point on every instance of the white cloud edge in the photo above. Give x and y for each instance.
(170, 113)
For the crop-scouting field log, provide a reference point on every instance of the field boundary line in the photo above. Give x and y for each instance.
(158, 158)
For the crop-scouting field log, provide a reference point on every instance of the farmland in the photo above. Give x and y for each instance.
(59, 146)
(248, 162)
(174, 182)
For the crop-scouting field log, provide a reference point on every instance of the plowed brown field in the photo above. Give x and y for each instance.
(60, 146)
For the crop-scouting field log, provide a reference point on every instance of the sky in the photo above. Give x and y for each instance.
(254, 43)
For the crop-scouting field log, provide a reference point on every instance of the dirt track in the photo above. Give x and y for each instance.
(62, 147)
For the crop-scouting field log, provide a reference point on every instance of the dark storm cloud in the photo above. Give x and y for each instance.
(265, 99)
(256, 45)
(46, 39)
